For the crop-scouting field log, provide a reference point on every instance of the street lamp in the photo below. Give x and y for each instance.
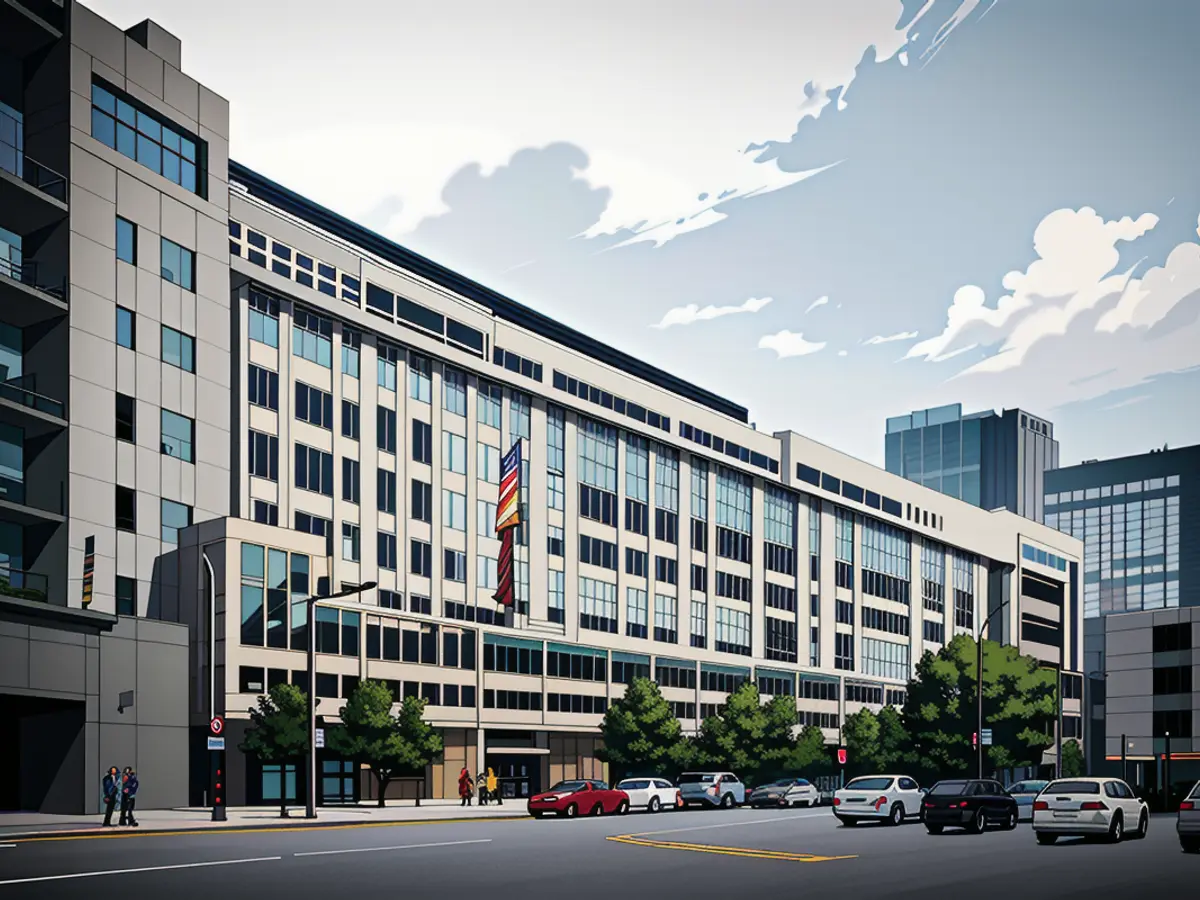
(979, 686)
(310, 806)
(1088, 727)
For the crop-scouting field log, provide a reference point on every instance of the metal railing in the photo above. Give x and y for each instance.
(27, 274)
(38, 176)
(21, 390)
(23, 585)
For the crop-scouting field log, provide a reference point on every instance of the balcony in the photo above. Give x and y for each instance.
(29, 294)
(24, 585)
(20, 392)
(29, 26)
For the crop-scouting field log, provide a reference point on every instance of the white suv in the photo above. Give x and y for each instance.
(882, 798)
(1089, 807)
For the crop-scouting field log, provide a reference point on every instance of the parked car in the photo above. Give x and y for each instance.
(785, 792)
(651, 794)
(972, 804)
(712, 789)
(1188, 824)
(881, 798)
(1025, 792)
(1089, 807)
(575, 798)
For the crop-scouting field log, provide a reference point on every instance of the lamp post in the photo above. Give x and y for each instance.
(979, 687)
(310, 806)
(1088, 728)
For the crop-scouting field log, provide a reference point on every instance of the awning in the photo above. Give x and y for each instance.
(519, 751)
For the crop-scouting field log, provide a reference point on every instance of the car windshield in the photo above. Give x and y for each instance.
(801, 782)
(633, 785)
(568, 787)
(1074, 787)
(869, 784)
(1027, 787)
(949, 788)
(696, 778)
(1195, 794)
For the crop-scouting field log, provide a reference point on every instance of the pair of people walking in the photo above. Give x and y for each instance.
(487, 786)
(120, 789)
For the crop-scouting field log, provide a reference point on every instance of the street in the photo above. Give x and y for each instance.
(698, 854)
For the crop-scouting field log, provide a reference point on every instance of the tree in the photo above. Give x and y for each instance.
(747, 737)
(1072, 759)
(894, 749)
(810, 755)
(940, 709)
(388, 745)
(278, 731)
(641, 734)
(860, 737)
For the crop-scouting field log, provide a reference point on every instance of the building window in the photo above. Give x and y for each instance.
(385, 492)
(519, 406)
(386, 551)
(178, 265)
(666, 619)
(126, 418)
(597, 605)
(263, 319)
(843, 652)
(733, 631)
(422, 442)
(699, 489)
(666, 570)
(126, 590)
(351, 420)
(666, 478)
(148, 138)
(884, 659)
(422, 558)
(314, 470)
(178, 436)
(597, 455)
(933, 577)
(454, 565)
(637, 469)
(174, 517)
(843, 545)
(126, 329)
(964, 590)
(312, 338)
(734, 497)
(263, 455)
(886, 561)
(555, 541)
(262, 387)
(351, 351)
(350, 541)
(487, 463)
(385, 429)
(596, 552)
(126, 241)
(314, 406)
(386, 361)
(780, 640)
(253, 588)
(485, 519)
(454, 391)
(454, 510)
(557, 600)
(699, 622)
(637, 611)
(779, 517)
(351, 481)
(488, 398)
(454, 453)
(420, 380)
(487, 573)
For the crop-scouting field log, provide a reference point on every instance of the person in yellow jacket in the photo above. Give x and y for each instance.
(492, 783)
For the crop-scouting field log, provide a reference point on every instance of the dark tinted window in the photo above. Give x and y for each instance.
(1074, 787)
(949, 788)
(869, 784)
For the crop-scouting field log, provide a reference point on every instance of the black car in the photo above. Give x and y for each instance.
(971, 803)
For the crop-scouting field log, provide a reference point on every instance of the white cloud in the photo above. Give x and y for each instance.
(687, 315)
(842, 353)
(1130, 401)
(820, 301)
(786, 344)
(888, 339)
(1074, 328)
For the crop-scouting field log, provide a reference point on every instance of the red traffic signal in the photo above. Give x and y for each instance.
(841, 756)
(974, 740)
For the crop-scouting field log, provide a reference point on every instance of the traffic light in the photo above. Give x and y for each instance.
(841, 756)
(974, 740)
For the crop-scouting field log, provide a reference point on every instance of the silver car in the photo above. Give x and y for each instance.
(785, 792)
(712, 789)
(1025, 792)
(1188, 824)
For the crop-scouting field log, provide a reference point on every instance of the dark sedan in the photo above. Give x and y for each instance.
(972, 804)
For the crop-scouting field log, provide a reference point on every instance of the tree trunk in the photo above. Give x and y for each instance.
(384, 781)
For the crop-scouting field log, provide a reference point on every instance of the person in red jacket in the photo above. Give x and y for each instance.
(465, 786)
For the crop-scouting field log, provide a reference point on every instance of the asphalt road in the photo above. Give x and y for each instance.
(687, 854)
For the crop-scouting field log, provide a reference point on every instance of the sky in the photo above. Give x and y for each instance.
(829, 211)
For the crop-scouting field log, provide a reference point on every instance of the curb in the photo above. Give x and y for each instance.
(281, 825)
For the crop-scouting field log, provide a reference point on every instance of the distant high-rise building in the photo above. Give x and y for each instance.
(992, 460)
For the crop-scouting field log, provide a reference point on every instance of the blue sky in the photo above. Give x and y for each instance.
(925, 202)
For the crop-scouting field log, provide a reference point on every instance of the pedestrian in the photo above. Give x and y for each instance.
(129, 796)
(111, 787)
(492, 787)
(465, 787)
(481, 786)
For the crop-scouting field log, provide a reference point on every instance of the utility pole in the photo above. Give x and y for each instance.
(979, 688)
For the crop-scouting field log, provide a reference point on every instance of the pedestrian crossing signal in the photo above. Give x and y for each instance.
(841, 756)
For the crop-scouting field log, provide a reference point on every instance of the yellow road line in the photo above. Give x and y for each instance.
(268, 830)
(744, 852)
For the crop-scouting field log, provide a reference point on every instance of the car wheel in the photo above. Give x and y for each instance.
(537, 814)
(571, 811)
(934, 829)
(1046, 839)
(653, 805)
(1189, 844)
(622, 808)
(979, 823)
(598, 810)
(896, 815)
(1143, 826)
(849, 822)
(727, 801)
(1116, 831)
(1010, 823)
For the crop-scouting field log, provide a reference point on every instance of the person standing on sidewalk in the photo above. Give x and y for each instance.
(111, 787)
(493, 787)
(129, 791)
(481, 787)
(465, 787)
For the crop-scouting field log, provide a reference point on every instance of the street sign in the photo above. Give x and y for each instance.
(215, 743)
(841, 756)
(320, 741)
(987, 737)
(217, 725)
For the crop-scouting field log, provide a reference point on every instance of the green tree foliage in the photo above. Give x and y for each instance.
(860, 737)
(748, 737)
(389, 745)
(894, 750)
(810, 755)
(1019, 701)
(1072, 759)
(278, 732)
(641, 735)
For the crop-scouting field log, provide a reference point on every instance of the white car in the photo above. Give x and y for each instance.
(1089, 807)
(880, 798)
(651, 794)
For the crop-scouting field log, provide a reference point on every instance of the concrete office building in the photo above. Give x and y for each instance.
(1139, 520)
(348, 408)
(994, 461)
(113, 275)
(1152, 672)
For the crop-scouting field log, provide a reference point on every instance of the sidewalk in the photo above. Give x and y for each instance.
(26, 825)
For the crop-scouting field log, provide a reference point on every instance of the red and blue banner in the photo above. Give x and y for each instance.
(508, 518)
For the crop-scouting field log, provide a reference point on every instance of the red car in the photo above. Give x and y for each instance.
(579, 798)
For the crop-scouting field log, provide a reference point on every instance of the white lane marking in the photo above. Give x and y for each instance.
(732, 824)
(401, 847)
(198, 865)
(7, 846)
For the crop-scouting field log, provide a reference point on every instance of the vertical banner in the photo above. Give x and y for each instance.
(89, 565)
(508, 518)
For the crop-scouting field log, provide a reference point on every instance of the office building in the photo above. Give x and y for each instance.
(106, 353)
(994, 461)
(348, 409)
(1139, 520)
